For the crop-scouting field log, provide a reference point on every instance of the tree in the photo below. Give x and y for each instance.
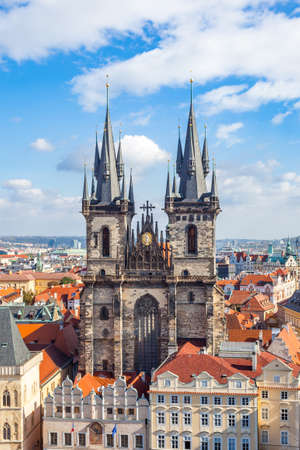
(66, 280)
(28, 297)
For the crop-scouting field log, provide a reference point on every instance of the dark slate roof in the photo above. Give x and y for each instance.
(294, 302)
(28, 313)
(13, 351)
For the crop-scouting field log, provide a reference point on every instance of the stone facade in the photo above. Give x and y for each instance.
(146, 294)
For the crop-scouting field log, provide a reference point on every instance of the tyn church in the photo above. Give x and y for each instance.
(148, 292)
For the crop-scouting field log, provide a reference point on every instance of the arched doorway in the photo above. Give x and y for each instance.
(147, 331)
(96, 433)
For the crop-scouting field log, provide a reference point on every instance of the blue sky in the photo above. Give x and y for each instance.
(244, 59)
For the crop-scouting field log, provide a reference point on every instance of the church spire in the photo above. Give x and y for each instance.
(192, 180)
(93, 188)
(214, 187)
(120, 164)
(123, 192)
(168, 187)
(130, 193)
(97, 157)
(205, 160)
(179, 158)
(108, 188)
(85, 195)
(174, 186)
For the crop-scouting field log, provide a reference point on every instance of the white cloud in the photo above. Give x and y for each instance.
(42, 145)
(141, 117)
(141, 153)
(279, 118)
(227, 133)
(38, 210)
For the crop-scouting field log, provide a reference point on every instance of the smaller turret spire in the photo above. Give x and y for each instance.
(123, 192)
(97, 157)
(214, 187)
(131, 194)
(205, 160)
(85, 195)
(93, 188)
(168, 188)
(120, 164)
(179, 158)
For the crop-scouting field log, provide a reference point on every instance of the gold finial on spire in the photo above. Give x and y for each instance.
(107, 88)
(191, 83)
(205, 129)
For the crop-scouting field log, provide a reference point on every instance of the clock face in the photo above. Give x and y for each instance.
(147, 238)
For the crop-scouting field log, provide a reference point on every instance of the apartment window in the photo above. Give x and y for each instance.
(264, 436)
(217, 443)
(231, 400)
(245, 421)
(68, 409)
(245, 401)
(187, 418)
(161, 418)
(284, 437)
(167, 383)
(204, 419)
(264, 394)
(174, 399)
(204, 383)
(59, 409)
(68, 439)
(204, 400)
(276, 379)
(76, 409)
(131, 411)
(238, 384)
(204, 443)
(231, 444)
(187, 442)
(187, 399)
(217, 420)
(231, 420)
(139, 441)
(161, 441)
(109, 410)
(81, 439)
(124, 440)
(174, 441)
(109, 440)
(174, 418)
(283, 395)
(160, 398)
(245, 444)
(217, 401)
(120, 411)
(265, 413)
(53, 438)
(284, 414)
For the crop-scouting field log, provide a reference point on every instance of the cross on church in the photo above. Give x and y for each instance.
(148, 207)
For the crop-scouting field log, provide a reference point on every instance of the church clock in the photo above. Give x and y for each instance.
(147, 238)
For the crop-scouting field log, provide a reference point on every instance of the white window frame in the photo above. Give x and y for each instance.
(113, 437)
(219, 397)
(285, 413)
(187, 415)
(264, 394)
(174, 396)
(204, 440)
(64, 440)
(204, 383)
(231, 417)
(175, 436)
(245, 401)
(120, 440)
(161, 437)
(186, 438)
(204, 416)
(264, 433)
(78, 433)
(245, 417)
(220, 441)
(174, 415)
(49, 439)
(229, 399)
(276, 378)
(285, 433)
(167, 383)
(217, 418)
(140, 435)
(187, 397)
(245, 440)
(162, 397)
(234, 440)
(265, 413)
(161, 418)
(238, 384)
(204, 397)
(284, 395)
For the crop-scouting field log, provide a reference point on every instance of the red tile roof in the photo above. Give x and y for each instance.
(53, 361)
(259, 302)
(38, 333)
(240, 297)
(256, 280)
(250, 336)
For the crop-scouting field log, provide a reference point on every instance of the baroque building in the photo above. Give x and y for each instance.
(146, 293)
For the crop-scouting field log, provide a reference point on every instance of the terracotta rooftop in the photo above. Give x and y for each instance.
(250, 336)
(240, 297)
(53, 361)
(258, 280)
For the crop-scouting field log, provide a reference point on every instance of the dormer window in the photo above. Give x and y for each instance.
(167, 383)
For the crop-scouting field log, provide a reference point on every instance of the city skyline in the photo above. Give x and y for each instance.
(53, 100)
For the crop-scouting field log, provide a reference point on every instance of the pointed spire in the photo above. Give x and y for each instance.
(108, 188)
(179, 159)
(120, 164)
(123, 193)
(132, 237)
(97, 157)
(205, 160)
(168, 188)
(192, 180)
(174, 186)
(214, 187)
(85, 195)
(161, 237)
(130, 194)
(93, 188)
(137, 229)
(156, 229)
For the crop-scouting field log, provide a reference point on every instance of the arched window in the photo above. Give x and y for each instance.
(104, 314)
(105, 241)
(16, 431)
(16, 397)
(6, 432)
(6, 398)
(192, 239)
(185, 273)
